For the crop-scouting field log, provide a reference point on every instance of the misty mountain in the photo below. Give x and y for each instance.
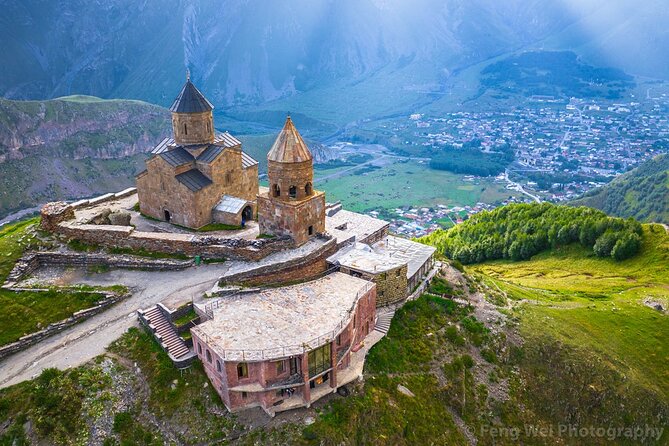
(244, 52)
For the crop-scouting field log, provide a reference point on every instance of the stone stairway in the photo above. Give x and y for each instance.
(164, 332)
(383, 319)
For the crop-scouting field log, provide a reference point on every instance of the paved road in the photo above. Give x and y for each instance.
(88, 339)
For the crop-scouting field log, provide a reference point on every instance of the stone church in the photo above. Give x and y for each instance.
(198, 176)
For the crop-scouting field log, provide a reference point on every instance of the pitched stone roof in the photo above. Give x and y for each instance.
(177, 156)
(190, 100)
(193, 179)
(289, 147)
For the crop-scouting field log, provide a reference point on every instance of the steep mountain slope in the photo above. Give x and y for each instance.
(252, 52)
(642, 193)
(72, 147)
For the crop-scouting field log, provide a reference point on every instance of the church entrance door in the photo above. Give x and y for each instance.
(168, 216)
(247, 215)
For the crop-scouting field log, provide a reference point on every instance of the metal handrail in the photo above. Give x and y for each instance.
(288, 350)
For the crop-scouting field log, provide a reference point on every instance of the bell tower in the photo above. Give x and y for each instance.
(192, 117)
(291, 206)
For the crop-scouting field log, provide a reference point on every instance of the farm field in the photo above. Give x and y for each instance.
(396, 184)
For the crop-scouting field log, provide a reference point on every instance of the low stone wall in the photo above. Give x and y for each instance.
(299, 269)
(27, 264)
(33, 338)
(188, 244)
(59, 218)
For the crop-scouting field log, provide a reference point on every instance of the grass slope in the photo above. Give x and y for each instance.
(585, 302)
(642, 193)
(25, 312)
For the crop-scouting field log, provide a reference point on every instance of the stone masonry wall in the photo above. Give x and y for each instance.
(59, 218)
(31, 261)
(302, 269)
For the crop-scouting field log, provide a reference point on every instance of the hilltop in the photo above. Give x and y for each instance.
(642, 193)
(565, 337)
(72, 147)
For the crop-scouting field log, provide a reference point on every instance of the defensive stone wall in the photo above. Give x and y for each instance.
(300, 269)
(33, 338)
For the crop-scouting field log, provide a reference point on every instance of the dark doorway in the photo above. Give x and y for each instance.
(247, 215)
(168, 217)
(311, 230)
(293, 366)
(292, 192)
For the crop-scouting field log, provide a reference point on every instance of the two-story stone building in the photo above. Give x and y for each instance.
(283, 348)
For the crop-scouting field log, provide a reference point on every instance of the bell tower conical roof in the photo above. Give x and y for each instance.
(190, 100)
(289, 147)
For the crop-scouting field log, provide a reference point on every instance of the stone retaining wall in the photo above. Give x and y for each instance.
(27, 264)
(172, 243)
(299, 269)
(59, 218)
(33, 338)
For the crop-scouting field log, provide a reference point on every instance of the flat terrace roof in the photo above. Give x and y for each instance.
(414, 254)
(279, 322)
(351, 226)
(362, 258)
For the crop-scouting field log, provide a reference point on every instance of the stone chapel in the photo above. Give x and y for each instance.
(198, 176)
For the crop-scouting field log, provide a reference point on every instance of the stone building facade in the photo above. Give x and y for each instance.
(197, 176)
(284, 348)
(291, 206)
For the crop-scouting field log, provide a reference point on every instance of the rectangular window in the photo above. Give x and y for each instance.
(242, 370)
(280, 367)
(319, 360)
(293, 366)
(244, 395)
(339, 339)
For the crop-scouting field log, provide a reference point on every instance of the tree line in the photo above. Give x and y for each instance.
(519, 231)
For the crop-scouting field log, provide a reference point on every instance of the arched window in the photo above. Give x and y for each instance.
(292, 191)
(307, 189)
(218, 366)
(199, 348)
(185, 129)
(277, 190)
(208, 356)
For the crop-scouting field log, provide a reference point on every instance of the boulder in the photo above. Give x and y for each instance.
(120, 218)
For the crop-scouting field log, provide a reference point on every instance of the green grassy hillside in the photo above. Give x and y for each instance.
(642, 193)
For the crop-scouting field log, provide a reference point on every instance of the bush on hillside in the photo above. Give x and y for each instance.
(519, 231)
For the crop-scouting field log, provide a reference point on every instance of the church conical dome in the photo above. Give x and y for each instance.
(190, 100)
(289, 147)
